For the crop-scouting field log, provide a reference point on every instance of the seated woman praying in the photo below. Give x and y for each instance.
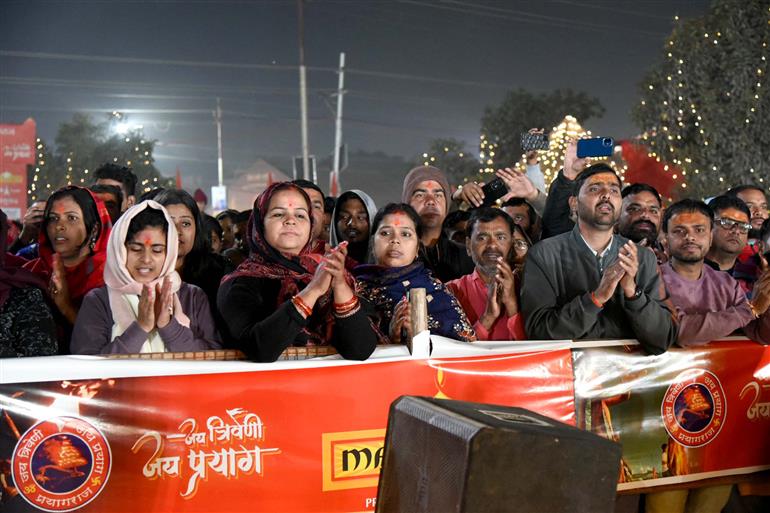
(283, 294)
(396, 232)
(145, 307)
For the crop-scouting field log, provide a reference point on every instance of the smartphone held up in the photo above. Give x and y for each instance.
(596, 147)
(531, 141)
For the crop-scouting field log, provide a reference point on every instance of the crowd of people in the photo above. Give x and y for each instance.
(99, 270)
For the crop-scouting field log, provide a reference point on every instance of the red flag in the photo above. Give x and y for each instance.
(178, 178)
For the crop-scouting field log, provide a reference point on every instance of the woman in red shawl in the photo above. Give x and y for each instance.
(284, 295)
(73, 250)
(26, 323)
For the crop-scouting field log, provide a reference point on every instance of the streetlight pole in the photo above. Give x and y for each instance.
(303, 92)
(220, 161)
(338, 121)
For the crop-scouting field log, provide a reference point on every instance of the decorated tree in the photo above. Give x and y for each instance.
(450, 156)
(82, 146)
(37, 187)
(703, 107)
(520, 110)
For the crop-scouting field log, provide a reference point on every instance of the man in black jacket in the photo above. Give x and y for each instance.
(592, 284)
(426, 189)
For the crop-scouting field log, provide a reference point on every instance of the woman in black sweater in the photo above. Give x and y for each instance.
(283, 295)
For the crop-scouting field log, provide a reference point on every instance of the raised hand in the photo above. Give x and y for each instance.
(401, 321)
(492, 310)
(761, 293)
(628, 259)
(517, 183)
(572, 164)
(471, 193)
(164, 303)
(60, 291)
(506, 285)
(610, 279)
(31, 223)
(146, 314)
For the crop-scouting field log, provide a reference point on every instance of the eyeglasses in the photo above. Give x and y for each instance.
(521, 245)
(729, 224)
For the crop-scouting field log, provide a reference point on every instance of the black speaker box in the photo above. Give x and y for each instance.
(454, 456)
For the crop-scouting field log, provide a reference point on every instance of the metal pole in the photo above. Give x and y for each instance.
(338, 121)
(303, 93)
(220, 164)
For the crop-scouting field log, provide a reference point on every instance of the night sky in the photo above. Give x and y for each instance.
(417, 70)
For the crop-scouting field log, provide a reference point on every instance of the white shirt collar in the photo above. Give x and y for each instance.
(596, 253)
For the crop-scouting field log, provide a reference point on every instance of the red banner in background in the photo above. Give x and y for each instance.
(308, 439)
(680, 416)
(17, 150)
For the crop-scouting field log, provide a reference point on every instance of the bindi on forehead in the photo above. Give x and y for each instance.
(689, 218)
(147, 241)
(399, 220)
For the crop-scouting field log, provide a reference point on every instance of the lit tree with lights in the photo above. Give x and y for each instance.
(551, 160)
(703, 108)
(41, 168)
(450, 156)
(520, 110)
(82, 146)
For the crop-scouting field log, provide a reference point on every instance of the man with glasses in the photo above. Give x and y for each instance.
(710, 305)
(488, 295)
(731, 232)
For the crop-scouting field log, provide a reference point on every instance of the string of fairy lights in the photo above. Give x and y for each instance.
(550, 160)
(684, 134)
(137, 156)
(687, 111)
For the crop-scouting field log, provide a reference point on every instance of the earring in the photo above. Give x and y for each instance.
(92, 244)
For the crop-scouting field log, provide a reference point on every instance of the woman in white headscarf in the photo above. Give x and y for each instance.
(144, 306)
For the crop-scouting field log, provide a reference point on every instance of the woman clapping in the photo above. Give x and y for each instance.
(283, 294)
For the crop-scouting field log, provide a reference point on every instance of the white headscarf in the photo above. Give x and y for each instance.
(124, 291)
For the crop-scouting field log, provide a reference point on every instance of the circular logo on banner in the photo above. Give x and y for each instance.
(61, 464)
(694, 408)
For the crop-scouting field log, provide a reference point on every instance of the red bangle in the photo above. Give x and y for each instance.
(347, 304)
(302, 306)
(596, 301)
(342, 308)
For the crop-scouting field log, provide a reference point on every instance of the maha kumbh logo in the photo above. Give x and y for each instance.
(694, 408)
(61, 464)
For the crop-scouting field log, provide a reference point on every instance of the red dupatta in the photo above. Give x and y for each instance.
(294, 272)
(88, 274)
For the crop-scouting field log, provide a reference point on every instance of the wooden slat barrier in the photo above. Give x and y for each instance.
(291, 353)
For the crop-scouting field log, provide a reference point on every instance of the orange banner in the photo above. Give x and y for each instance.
(309, 439)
